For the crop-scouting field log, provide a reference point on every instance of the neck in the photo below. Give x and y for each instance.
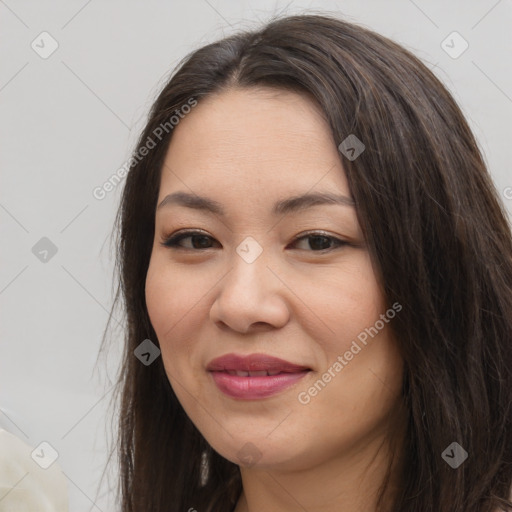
(349, 481)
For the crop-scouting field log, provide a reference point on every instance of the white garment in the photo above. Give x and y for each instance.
(24, 485)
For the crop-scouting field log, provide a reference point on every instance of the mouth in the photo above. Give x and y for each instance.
(261, 373)
(255, 376)
(254, 365)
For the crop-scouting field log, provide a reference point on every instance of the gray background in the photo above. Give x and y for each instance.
(69, 121)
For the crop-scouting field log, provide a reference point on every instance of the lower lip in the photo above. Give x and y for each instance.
(253, 388)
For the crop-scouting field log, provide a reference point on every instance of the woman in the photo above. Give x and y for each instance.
(317, 277)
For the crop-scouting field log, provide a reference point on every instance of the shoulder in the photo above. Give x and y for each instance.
(24, 484)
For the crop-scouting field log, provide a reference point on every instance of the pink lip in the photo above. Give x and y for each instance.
(254, 387)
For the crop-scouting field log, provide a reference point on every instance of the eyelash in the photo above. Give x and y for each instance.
(172, 241)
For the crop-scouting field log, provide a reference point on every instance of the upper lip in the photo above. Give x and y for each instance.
(253, 362)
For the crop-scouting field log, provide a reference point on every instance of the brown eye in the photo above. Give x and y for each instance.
(197, 241)
(319, 242)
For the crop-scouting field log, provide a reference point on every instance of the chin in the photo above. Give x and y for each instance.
(259, 453)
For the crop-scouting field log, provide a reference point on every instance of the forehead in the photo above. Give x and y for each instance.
(262, 140)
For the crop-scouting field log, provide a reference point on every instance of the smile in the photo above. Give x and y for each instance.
(255, 376)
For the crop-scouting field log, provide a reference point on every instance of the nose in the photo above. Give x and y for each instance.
(250, 298)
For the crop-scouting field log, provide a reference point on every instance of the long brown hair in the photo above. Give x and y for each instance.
(438, 238)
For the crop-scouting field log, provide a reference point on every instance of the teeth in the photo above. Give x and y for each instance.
(259, 373)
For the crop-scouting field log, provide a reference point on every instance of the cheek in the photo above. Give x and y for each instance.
(345, 301)
(177, 304)
(170, 296)
(161, 302)
(169, 302)
(369, 384)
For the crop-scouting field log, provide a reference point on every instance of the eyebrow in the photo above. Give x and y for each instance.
(292, 204)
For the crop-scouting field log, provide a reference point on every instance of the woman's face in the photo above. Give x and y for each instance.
(270, 276)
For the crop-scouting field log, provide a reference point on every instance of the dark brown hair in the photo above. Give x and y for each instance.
(438, 238)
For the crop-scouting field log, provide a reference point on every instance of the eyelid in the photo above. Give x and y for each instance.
(170, 241)
(338, 242)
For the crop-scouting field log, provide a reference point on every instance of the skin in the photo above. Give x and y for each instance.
(247, 149)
